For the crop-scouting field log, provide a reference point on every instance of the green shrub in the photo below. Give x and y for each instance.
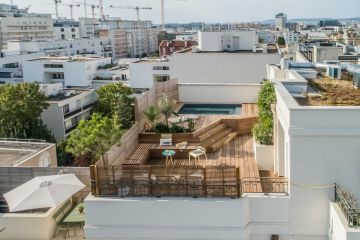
(177, 129)
(263, 131)
(161, 128)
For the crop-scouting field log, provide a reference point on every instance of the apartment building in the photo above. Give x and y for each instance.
(291, 37)
(118, 23)
(67, 108)
(280, 21)
(146, 72)
(118, 38)
(88, 27)
(11, 66)
(21, 25)
(66, 29)
(218, 41)
(92, 47)
(142, 41)
(69, 71)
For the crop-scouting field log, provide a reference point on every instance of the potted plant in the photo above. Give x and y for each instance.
(152, 114)
(166, 107)
(81, 209)
(263, 130)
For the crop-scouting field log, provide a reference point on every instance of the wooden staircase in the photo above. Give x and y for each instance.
(215, 136)
(223, 131)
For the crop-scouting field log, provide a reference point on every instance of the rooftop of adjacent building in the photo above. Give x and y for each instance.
(67, 59)
(14, 151)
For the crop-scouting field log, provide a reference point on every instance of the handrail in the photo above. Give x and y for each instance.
(349, 206)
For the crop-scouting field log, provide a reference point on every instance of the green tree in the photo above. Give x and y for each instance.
(63, 158)
(166, 107)
(125, 112)
(21, 106)
(152, 114)
(281, 41)
(108, 98)
(95, 136)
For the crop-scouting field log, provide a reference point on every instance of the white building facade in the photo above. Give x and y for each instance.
(66, 29)
(67, 108)
(210, 41)
(70, 71)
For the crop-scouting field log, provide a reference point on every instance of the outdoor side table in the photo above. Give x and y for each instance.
(169, 156)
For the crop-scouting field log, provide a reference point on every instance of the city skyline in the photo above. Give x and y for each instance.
(197, 11)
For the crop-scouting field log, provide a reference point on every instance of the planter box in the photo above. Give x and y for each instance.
(264, 156)
(155, 137)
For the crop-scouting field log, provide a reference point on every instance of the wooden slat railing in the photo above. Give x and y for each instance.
(182, 181)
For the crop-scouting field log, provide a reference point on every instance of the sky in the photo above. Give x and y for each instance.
(209, 11)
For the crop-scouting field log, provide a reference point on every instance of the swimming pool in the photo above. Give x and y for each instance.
(211, 109)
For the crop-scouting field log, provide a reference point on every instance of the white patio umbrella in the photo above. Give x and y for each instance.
(43, 192)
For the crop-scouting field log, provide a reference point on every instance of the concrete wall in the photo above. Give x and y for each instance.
(254, 217)
(45, 158)
(246, 68)
(218, 93)
(227, 40)
(142, 74)
(339, 228)
(28, 226)
(322, 54)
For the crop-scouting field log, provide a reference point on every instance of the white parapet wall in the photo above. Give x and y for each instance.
(339, 229)
(218, 93)
(254, 217)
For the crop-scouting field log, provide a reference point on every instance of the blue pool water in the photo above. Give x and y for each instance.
(211, 109)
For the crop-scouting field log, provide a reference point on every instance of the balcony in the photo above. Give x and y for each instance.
(349, 206)
(72, 113)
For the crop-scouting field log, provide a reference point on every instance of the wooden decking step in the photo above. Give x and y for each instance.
(211, 132)
(199, 132)
(212, 140)
(222, 142)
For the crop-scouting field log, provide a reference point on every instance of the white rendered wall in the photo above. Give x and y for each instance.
(247, 68)
(218, 93)
(218, 41)
(141, 73)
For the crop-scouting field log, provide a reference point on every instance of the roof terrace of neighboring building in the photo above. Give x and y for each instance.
(15, 152)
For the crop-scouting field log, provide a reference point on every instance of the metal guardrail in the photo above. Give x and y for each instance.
(182, 181)
(349, 206)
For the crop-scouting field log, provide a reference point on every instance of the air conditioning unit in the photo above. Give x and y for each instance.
(334, 72)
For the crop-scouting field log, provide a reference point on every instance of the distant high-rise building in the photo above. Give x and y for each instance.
(280, 21)
(18, 24)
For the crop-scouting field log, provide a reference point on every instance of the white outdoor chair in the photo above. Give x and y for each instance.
(196, 154)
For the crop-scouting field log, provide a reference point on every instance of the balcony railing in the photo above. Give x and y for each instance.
(72, 113)
(349, 206)
(184, 181)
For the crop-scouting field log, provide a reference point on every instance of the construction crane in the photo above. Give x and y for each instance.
(137, 9)
(93, 6)
(162, 6)
(57, 2)
(101, 6)
(71, 6)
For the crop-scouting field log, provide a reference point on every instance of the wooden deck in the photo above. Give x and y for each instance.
(247, 109)
(238, 153)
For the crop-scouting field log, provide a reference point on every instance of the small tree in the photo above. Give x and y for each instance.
(152, 114)
(263, 131)
(125, 113)
(281, 41)
(166, 107)
(107, 104)
(95, 136)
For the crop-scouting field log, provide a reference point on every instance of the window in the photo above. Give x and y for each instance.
(66, 109)
(161, 68)
(73, 36)
(62, 30)
(53, 66)
(162, 78)
(62, 36)
(73, 30)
